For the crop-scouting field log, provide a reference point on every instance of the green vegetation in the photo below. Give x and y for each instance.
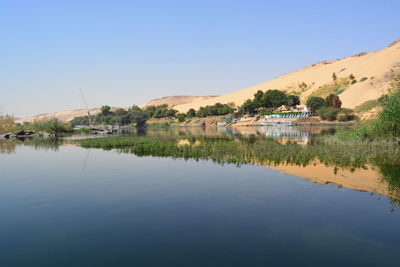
(336, 87)
(333, 101)
(330, 108)
(367, 106)
(267, 101)
(191, 113)
(352, 79)
(303, 86)
(386, 127)
(363, 79)
(181, 117)
(134, 116)
(328, 113)
(51, 126)
(160, 111)
(7, 124)
(215, 110)
(315, 103)
(345, 114)
(244, 150)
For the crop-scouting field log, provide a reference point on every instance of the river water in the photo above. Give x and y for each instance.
(62, 205)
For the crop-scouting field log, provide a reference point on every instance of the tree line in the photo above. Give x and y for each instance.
(268, 101)
(132, 116)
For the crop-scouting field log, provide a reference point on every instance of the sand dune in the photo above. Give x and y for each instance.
(380, 67)
(176, 100)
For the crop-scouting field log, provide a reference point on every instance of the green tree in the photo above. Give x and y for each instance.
(389, 118)
(293, 100)
(224, 110)
(191, 113)
(137, 117)
(202, 112)
(120, 112)
(105, 110)
(274, 99)
(334, 77)
(336, 102)
(181, 117)
(329, 100)
(248, 107)
(315, 103)
(258, 99)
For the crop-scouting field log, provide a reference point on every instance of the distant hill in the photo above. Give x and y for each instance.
(372, 73)
(176, 100)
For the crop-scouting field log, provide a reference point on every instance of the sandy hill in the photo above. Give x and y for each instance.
(176, 100)
(65, 116)
(373, 72)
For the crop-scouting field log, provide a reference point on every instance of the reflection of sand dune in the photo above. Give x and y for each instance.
(367, 180)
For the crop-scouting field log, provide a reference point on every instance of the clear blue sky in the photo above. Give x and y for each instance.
(127, 52)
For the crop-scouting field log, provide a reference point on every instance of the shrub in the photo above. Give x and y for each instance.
(390, 115)
(191, 113)
(336, 103)
(293, 100)
(345, 115)
(7, 123)
(333, 101)
(363, 79)
(315, 103)
(328, 113)
(181, 117)
(367, 106)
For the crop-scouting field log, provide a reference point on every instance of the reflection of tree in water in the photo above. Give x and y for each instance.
(251, 150)
(391, 174)
(9, 146)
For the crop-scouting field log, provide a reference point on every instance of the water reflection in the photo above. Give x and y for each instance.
(291, 133)
(10, 146)
(62, 205)
(292, 150)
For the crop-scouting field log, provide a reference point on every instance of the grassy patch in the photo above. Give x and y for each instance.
(367, 106)
(336, 88)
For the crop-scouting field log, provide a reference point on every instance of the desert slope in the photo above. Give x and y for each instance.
(176, 100)
(380, 67)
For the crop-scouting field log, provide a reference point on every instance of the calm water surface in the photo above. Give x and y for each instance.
(68, 206)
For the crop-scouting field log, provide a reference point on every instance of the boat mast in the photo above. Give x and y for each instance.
(87, 108)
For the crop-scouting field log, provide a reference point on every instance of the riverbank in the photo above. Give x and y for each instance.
(212, 121)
